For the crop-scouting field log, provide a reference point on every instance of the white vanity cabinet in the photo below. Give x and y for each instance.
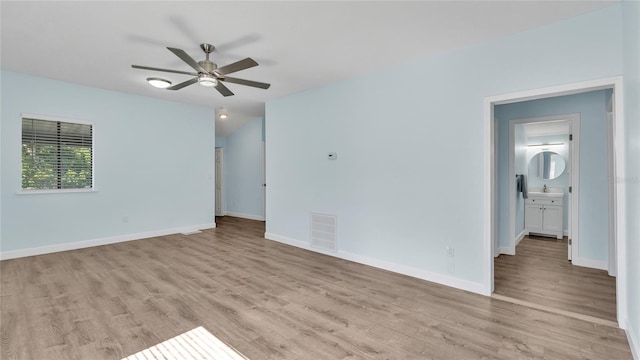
(543, 214)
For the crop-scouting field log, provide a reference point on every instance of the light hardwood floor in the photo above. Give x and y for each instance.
(268, 301)
(540, 273)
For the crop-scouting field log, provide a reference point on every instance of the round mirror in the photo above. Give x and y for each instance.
(547, 165)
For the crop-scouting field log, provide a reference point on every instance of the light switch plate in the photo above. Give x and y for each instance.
(333, 156)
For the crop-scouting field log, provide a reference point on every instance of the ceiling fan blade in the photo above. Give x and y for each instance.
(183, 84)
(165, 70)
(257, 84)
(237, 66)
(223, 89)
(188, 59)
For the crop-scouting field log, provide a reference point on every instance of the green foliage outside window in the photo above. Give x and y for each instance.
(40, 168)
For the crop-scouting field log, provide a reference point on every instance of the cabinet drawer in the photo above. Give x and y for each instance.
(543, 201)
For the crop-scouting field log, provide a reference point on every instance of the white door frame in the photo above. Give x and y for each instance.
(219, 155)
(264, 181)
(574, 170)
(489, 153)
(612, 266)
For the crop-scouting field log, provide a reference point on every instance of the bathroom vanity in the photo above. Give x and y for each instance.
(543, 214)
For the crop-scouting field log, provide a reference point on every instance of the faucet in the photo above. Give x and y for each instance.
(544, 189)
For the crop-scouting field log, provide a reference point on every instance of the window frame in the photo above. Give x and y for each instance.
(93, 155)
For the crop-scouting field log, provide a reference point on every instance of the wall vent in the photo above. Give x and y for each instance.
(323, 232)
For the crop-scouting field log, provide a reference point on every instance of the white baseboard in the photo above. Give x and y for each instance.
(40, 250)
(519, 238)
(595, 264)
(447, 280)
(507, 250)
(244, 216)
(634, 342)
(290, 241)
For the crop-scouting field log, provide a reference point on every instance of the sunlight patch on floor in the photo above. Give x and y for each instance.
(194, 344)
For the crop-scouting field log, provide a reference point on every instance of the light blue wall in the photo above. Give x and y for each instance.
(631, 21)
(593, 196)
(408, 178)
(153, 163)
(243, 165)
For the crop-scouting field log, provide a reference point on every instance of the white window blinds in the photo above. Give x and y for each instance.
(56, 155)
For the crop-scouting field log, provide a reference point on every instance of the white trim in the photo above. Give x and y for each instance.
(215, 181)
(635, 346)
(507, 250)
(244, 216)
(264, 178)
(555, 91)
(511, 248)
(386, 265)
(48, 249)
(55, 191)
(292, 242)
(511, 171)
(590, 263)
(494, 199)
(55, 118)
(611, 267)
(574, 196)
(489, 231)
(488, 169)
(621, 203)
(520, 237)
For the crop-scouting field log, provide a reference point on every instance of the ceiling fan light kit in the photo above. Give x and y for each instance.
(208, 81)
(207, 72)
(159, 82)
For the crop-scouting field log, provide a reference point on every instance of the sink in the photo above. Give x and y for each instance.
(546, 194)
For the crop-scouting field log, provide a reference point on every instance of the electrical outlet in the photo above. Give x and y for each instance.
(451, 252)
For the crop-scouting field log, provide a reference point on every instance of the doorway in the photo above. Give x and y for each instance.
(543, 163)
(491, 174)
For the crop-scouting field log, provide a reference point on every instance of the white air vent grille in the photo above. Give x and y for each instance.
(323, 232)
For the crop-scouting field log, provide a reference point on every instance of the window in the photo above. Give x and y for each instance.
(56, 154)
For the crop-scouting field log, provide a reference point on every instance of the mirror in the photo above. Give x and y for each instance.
(547, 165)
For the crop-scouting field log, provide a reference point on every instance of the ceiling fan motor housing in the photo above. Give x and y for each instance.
(208, 65)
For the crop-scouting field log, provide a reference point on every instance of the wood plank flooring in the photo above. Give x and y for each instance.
(540, 273)
(268, 301)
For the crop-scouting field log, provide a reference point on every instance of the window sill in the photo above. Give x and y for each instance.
(55, 191)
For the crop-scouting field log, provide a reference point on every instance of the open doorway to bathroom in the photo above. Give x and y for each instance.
(564, 143)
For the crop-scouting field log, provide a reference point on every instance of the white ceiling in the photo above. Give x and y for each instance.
(299, 45)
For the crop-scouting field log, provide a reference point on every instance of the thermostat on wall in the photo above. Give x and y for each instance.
(333, 156)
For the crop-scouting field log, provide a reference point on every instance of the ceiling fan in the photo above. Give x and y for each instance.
(208, 73)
